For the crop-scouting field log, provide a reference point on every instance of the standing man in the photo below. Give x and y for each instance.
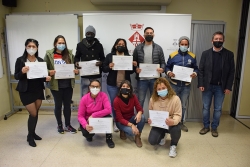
(89, 49)
(215, 79)
(184, 58)
(150, 53)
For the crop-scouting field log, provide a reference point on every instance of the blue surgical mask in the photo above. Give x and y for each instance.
(60, 47)
(183, 48)
(162, 93)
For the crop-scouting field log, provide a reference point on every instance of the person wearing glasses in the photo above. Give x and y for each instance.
(115, 77)
(182, 57)
(30, 90)
(151, 53)
(94, 104)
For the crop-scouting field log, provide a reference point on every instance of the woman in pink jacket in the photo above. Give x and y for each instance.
(94, 104)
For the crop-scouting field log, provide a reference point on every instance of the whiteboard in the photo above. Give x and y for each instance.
(43, 28)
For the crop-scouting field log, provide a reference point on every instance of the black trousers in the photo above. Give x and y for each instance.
(63, 97)
(156, 134)
(86, 134)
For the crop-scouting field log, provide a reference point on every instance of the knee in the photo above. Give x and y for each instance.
(152, 140)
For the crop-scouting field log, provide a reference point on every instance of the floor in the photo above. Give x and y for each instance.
(231, 148)
(245, 121)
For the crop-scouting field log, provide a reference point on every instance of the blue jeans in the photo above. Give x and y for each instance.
(85, 84)
(142, 87)
(207, 95)
(112, 91)
(128, 129)
(183, 93)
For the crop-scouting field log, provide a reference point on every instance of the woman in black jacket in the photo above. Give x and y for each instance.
(30, 90)
(115, 77)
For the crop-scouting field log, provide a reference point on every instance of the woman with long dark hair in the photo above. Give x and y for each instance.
(30, 90)
(61, 89)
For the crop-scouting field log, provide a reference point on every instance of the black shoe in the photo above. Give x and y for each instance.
(70, 129)
(36, 137)
(31, 141)
(214, 133)
(79, 129)
(203, 131)
(89, 139)
(60, 129)
(183, 127)
(110, 142)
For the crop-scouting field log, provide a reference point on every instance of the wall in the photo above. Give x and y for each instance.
(221, 10)
(4, 86)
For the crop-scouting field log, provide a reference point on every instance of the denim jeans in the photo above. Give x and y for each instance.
(207, 96)
(183, 93)
(85, 84)
(112, 91)
(128, 129)
(142, 87)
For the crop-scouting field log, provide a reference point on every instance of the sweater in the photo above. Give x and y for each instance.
(97, 108)
(124, 112)
(173, 106)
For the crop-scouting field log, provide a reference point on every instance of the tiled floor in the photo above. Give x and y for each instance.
(231, 148)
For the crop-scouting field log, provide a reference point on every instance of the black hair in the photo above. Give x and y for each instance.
(218, 33)
(130, 86)
(148, 28)
(25, 53)
(95, 80)
(65, 52)
(113, 50)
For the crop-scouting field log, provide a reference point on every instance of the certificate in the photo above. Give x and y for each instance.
(182, 73)
(158, 118)
(101, 125)
(64, 71)
(89, 68)
(122, 62)
(36, 70)
(149, 70)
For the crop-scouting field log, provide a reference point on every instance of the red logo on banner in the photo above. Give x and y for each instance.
(136, 38)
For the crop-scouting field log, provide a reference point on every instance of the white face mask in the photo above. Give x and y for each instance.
(95, 91)
(31, 51)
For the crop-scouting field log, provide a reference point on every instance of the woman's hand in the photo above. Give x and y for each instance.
(169, 122)
(89, 128)
(76, 71)
(171, 74)
(52, 72)
(138, 117)
(193, 75)
(25, 69)
(160, 70)
(135, 130)
(48, 78)
(134, 63)
(149, 121)
(111, 65)
(138, 70)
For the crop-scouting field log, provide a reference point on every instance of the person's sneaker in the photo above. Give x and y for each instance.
(203, 131)
(115, 128)
(172, 152)
(110, 143)
(79, 129)
(163, 140)
(60, 129)
(183, 127)
(89, 139)
(214, 133)
(70, 129)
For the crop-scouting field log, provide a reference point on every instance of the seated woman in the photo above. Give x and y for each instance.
(126, 120)
(165, 99)
(94, 104)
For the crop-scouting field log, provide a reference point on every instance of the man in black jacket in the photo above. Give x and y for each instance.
(215, 79)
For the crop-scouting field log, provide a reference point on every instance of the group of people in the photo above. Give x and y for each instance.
(215, 79)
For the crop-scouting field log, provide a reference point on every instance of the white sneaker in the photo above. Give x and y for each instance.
(163, 140)
(115, 128)
(172, 152)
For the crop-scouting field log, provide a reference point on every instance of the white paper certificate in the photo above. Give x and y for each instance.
(64, 71)
(122, 62)
(182, 73)
(149, 70)
(101, 125)
(36, 70)
(88, 68)
(158, 118)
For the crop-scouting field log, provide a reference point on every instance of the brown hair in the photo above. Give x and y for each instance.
(130, 86)
(218, 33)
(160, 80)
(65, 52)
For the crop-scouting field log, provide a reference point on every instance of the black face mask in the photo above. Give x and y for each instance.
(125, 91)
(90, 38)
(149, 38)
(120, 49)
(217, 44)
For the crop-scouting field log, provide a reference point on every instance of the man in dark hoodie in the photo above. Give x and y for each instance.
(89, 49)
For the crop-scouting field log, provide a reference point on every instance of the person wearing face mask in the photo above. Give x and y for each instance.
(215, 79)
(30, 90)
(94, 104)
(165, 99)
(115, 77)
(129, 123)
(185, 58)
(61, 89)
(150, 53)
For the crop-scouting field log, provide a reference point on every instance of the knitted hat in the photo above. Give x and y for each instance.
(182, 38)
(90, 29)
